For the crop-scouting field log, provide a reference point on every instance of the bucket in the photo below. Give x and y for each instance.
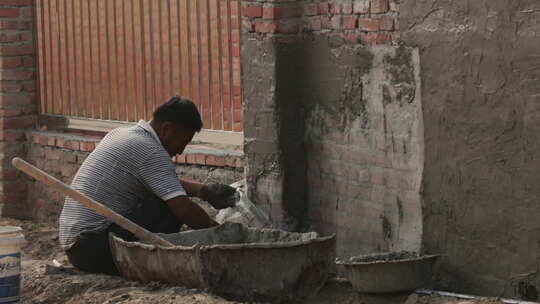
(11, 240)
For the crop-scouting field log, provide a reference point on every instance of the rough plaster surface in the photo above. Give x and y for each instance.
(334, 139)
(481, 100)
(364, 137)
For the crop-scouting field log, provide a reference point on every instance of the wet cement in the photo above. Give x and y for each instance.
(234, 233)
(384, 257)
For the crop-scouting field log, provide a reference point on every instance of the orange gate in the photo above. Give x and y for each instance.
(118, 59)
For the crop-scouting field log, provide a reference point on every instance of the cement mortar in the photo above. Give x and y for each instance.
(384, 257)
(481, 99)
(233, 233)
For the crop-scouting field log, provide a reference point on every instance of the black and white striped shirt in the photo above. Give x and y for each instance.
(128, 167)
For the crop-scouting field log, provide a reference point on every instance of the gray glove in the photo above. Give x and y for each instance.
(220, 196)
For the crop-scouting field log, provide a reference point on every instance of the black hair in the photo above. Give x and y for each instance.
(181, 112)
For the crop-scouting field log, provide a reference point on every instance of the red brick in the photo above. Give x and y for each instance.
(387, 23)
(12, 135)
(17, 2)
(368, 24)
(70, 144)
(348, 22)
(272, 12)
(347, 7)
(230, 161)
(190, 158)
(216, 161)
(180, 159)
(288, 27)
(27, 36)
(10, 63)
(28, 61)
(52, 154)
(335, 8)
(323, 8)
(9, 12)
(352, 37)
(310, 9)
(10, 113)
(315, 24)
(369, 38)
(70, 157)
(10, 37)
(8, 174)
(200, 159)
(379, 6)
(51, 141)
(16, 50)
(251, 10)
(16, 99)
(266, 27)
(29, 86)
(361, 6)
(10, 87)
(17, 75)
(16, 25)
(18, 122)
(87, 146)
(28, 12)
(239, 163)
(384, 38)
(40, 140)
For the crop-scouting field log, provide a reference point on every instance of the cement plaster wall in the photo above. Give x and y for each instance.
(334, 139)
(480, 63)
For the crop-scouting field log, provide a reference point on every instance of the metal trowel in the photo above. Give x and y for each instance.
(244, 211)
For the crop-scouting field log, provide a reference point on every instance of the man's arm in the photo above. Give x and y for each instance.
(190, 213)
(192, 187)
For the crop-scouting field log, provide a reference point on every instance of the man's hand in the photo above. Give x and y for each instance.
(220, 196)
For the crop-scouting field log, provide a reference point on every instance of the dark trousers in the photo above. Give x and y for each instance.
(91, 252)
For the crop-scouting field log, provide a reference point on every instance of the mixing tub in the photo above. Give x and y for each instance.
(236, 262)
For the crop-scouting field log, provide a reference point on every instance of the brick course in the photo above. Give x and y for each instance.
(356, 21)
(61, 154)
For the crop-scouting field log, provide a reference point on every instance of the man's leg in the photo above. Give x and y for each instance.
(92, 253)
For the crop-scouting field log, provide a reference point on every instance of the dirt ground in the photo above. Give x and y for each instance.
(45, 284)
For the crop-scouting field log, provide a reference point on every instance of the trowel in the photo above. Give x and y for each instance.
(244, 211)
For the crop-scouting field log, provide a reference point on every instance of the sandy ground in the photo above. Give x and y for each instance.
(45, 284)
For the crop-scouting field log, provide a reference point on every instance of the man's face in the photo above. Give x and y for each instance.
(175, 139)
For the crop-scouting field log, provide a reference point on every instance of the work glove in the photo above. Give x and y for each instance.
(220, 196)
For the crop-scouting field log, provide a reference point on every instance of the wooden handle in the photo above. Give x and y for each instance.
(114, 217)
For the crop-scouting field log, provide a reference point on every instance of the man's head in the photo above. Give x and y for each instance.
(176, 122)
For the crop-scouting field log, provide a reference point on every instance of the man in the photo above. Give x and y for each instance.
(132, 173)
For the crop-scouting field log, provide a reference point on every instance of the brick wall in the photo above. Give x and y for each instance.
(333, 121)
(61, 155)
(17, 94)
(358, 21)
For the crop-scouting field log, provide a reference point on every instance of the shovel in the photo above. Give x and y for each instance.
(100, 209)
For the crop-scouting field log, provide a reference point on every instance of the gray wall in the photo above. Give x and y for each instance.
(480, 63)
(334, 139)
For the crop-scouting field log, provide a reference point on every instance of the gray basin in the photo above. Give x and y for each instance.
(387, 276)
(233, 261)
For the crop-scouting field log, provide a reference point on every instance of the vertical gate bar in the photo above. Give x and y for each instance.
(103, 66)
(176, 72)
(129, 61)
(181, 44)
(68, 5)
(62, 48)
(57, 106)
(41, 56)
(205, 67)
(220, 62)
(164, 45)
(149, 77)
(120, 51)
(138, 48)
(211, 76)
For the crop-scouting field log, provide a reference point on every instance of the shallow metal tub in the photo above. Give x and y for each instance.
(238, 263)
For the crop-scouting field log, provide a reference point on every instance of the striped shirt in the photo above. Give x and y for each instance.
(128, 167)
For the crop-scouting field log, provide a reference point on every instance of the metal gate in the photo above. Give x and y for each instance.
(118, 59)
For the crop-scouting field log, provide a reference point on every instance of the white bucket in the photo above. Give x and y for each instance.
(11, 240)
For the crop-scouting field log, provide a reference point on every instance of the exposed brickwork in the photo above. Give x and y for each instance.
(17, 98)
(61, 155)
(367, 21)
